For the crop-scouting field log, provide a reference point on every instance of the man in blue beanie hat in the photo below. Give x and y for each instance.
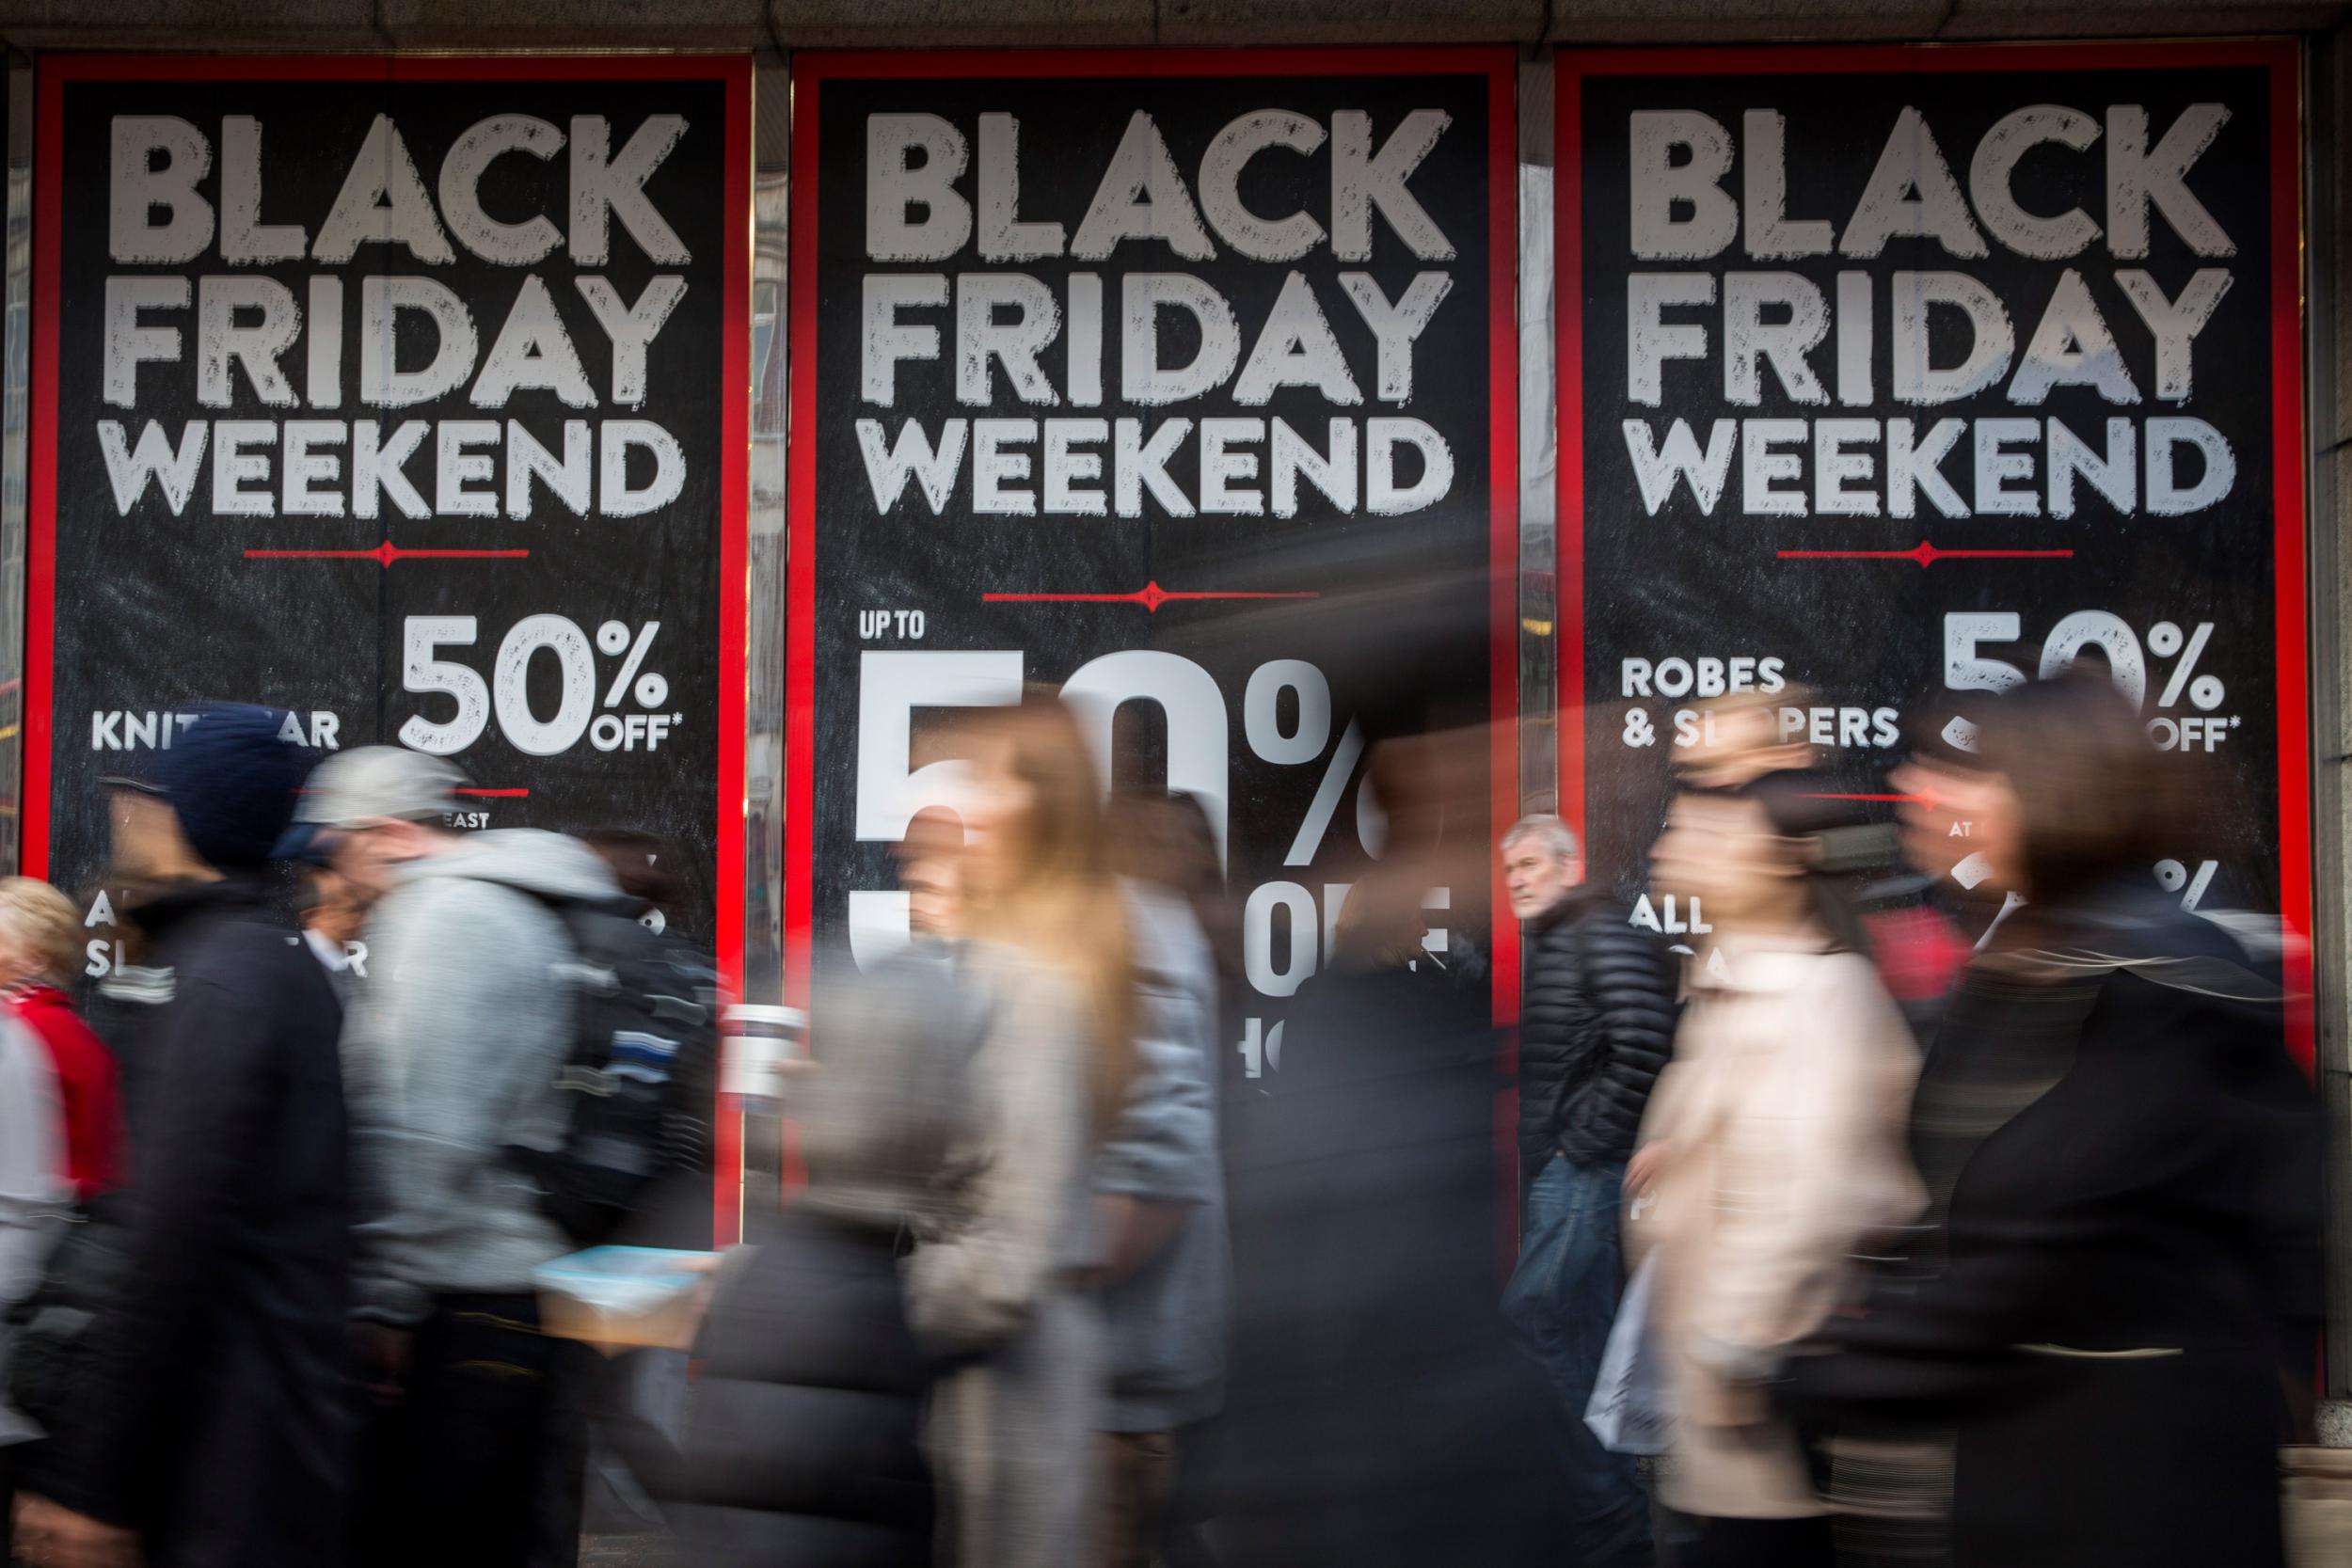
(215, 1428)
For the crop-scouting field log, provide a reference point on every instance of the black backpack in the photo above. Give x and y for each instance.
(640, 1084)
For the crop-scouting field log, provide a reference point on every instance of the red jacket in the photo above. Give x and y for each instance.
(85, 1082)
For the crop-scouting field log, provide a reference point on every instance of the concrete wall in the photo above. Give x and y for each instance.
(34, 25)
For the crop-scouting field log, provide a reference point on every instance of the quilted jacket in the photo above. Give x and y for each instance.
(1596, 1023)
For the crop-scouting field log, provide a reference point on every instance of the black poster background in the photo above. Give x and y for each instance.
(151, 609)
(908, 559)
(1870, 633)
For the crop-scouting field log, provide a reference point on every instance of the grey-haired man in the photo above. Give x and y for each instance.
(1595, 1026)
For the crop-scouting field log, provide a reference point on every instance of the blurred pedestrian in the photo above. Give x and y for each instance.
(2124, 1279)
(454, 1047)
(1007, 1278)
(1771, 1155)
(1161, 840)
(633, 1397)
(1958, 825)
(60, 1102)
(1164, 838)
(331, 907)
(33, 1205)
(1168, 1278)
(803, 1432)
(674, 1210)
(1943, 790)
(41, 947)
(1379, 1414)
(215, 1427)
(1595, 1025)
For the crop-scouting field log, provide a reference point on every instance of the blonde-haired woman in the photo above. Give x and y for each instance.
(1007, 1279)
(41, 946)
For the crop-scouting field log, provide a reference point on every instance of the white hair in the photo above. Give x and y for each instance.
(1555, 835)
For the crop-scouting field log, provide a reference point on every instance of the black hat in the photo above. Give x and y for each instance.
(229, 775)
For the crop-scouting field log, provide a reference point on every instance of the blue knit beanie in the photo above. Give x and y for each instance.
(232, 779)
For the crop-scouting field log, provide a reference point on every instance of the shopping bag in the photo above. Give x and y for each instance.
(1628, 1410)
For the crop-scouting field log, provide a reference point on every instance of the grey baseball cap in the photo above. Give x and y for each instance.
(371, 783)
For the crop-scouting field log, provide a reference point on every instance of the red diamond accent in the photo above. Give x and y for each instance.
(1150, 597)
(387, 553)
(1926, 554)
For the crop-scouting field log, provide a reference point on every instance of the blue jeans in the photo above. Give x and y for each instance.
(1561, 1301)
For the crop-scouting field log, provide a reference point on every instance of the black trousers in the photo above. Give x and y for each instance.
(1750, 1544)
(479, 1465)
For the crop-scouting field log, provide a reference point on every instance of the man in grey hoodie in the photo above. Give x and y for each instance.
(453, 1052)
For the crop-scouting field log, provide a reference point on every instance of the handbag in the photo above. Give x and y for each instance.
(1629, 1412)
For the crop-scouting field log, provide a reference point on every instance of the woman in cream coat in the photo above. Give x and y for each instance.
(1771, 1152)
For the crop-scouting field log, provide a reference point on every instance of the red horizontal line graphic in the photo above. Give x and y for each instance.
(1150, 597)
(385, 553)
(496, 794)
(1925, 554)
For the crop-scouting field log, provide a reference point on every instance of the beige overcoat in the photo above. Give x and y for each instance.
(1783, 1115)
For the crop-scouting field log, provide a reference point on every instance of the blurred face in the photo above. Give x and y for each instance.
(934, 890)
(1535, 878)
(1737, 744)
(146, 840)
(370, 855)
(1724, 851)
(341, 908)
(996, 809)
(1954, 817)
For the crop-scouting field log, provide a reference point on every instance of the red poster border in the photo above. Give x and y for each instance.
(810, 71)
(733, 72)
(2282, 59)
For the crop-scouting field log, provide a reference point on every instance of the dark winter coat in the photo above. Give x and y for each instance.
(1597, 1023)
(802, 1444)
(220, 1421)
(1377, 1415)
(2131, 1251)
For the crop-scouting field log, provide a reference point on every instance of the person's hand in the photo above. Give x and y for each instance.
(384, 1352)
(1648, 1163)
(50, 1536)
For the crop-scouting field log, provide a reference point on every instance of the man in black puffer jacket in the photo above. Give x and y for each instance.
(1596, 1027)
